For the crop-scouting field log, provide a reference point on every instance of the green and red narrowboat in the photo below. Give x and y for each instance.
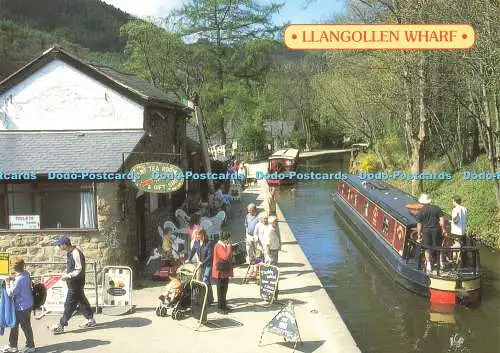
(389, 229)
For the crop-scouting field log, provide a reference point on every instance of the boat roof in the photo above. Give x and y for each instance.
(392, 200)
(290, 153)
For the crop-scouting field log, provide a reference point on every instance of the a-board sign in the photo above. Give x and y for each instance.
(284, 324)
(117, 286)
(269, 277)
(57, 290)
(199, 291)
(4, 264)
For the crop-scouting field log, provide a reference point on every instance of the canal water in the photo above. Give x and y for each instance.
(382, 316)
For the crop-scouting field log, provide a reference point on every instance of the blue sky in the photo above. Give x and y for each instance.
(317, 11)
(293, 11)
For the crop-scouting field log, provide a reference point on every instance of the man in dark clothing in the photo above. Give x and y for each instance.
(431, 226)
(75, 279)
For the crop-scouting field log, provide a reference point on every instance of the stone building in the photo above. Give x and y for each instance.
(61, 114)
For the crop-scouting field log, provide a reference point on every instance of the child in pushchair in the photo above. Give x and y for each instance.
(177, 298)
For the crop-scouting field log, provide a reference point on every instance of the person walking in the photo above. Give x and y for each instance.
(431, 226)
(251, 221)
(222, 269)
(203, 248)
(75, 279)
(21, 292)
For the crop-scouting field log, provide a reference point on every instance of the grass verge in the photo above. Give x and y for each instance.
(478, 196)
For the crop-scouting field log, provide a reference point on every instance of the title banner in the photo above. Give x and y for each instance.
(379, 37)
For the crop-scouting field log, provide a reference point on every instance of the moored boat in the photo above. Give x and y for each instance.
(280, 166)
(389, 229)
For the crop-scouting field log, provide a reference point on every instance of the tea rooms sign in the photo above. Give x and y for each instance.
(158, 177)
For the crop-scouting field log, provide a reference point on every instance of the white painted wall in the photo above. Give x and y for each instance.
(59, 97)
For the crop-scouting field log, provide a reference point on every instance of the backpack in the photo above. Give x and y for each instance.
(39, 295)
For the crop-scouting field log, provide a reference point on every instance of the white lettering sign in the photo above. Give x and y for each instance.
(24, 222)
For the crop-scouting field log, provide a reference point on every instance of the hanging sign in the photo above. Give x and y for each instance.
(157, 177)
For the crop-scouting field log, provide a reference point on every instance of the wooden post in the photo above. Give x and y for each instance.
(204, 146)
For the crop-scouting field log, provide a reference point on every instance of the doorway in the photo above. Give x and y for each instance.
(140, 209)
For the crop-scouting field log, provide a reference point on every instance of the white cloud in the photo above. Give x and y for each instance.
(144, 8)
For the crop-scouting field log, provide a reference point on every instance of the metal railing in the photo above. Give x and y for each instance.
(462, 252)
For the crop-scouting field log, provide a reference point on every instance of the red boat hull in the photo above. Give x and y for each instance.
(279, 182)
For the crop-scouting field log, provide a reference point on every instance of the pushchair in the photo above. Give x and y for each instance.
(181, 303)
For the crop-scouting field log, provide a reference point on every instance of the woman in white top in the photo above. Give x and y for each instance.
(259, 230)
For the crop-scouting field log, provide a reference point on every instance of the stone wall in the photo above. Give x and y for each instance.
(110, 245)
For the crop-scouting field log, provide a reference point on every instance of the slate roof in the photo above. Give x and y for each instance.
(137, 84)
(72, 151)
(128, 84)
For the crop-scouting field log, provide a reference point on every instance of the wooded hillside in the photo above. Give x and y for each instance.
(90, 23)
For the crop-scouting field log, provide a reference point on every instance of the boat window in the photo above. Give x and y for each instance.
(355, 200)
(385, 226)
(366, 209)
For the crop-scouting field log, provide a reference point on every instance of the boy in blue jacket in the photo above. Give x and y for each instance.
(22, 294)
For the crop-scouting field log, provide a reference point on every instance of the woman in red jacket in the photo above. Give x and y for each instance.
(222, 269)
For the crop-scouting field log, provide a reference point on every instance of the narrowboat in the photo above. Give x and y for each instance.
(280, 166)
(389, 230)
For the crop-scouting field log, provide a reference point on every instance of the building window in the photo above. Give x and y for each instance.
(366, 208)
(59, 205)
(68, 206)
(385, 226)
(21, 199)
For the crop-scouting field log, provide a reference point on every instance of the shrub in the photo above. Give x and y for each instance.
(367, 162)
(392, 151)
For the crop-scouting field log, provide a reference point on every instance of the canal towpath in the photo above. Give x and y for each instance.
(321, 326)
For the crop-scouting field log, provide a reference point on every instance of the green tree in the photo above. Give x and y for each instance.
(223, 25)
(155, 54)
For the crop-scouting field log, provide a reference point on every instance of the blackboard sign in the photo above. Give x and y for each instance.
(199, 292)
(269, 276)
(284, 324)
